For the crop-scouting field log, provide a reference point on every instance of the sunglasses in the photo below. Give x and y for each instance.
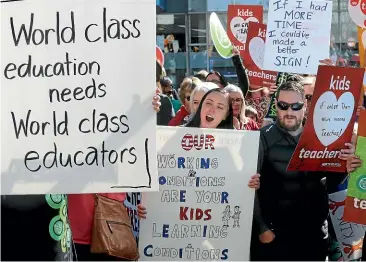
(237, 100)
(308, 97)
(188, 98)
(285, 106)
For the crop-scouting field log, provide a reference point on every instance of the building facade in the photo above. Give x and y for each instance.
(186, 22)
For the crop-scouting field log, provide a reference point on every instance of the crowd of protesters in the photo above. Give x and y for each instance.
(291, 212)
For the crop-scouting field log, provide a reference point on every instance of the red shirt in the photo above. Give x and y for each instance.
(179, 117)
(250, 125)
(81, 214)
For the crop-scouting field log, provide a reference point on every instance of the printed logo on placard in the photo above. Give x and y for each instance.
(361, 183)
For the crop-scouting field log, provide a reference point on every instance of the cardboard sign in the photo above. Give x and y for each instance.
(330, 120)
(349, 235)
(298, 35)
(357, 12)
(356, 199)
(71, 123)
(238, 20)
(254, 54)
(219, 37)
(204, 208)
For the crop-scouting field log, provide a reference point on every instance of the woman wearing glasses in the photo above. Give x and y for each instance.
(241, 122)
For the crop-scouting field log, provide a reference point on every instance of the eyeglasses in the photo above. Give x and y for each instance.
(188, 98)
(285, 106)
(237, 100)
(308, 97)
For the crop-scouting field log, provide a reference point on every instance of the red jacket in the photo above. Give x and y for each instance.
(81, 214)
(179, 117)
(250, 125)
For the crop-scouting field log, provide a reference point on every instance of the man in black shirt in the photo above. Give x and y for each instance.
(293, 206)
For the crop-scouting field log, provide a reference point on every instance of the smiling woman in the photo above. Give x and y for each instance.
(214, 111)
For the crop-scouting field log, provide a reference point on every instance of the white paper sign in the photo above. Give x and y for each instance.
(298, 35)
(76, 88)
(204, 208)
(350, 235)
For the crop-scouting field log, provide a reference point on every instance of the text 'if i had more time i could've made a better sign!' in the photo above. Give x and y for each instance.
(298, 35)
(73, 115)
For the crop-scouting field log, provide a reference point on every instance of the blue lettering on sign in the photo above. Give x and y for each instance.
(204, 230)
(205, 164)
(162, 180)
(165, 231)
(182, 196)
(224, 196)
(224, 255)
(181, 161)
(145, 251)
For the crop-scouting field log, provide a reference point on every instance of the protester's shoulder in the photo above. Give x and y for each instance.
(271, 134)
(268, 130)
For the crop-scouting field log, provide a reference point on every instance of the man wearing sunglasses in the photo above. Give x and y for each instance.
(292, 207)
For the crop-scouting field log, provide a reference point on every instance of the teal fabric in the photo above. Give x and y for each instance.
(176, 105)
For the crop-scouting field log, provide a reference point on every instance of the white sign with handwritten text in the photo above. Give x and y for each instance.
(298, 35)
(204, 208)
(73, 119)
(350, 235)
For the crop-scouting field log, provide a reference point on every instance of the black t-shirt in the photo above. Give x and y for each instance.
(35, 227)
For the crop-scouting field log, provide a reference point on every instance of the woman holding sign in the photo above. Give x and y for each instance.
(214, 111)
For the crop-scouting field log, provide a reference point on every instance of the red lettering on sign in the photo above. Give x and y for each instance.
(198, 142)
(194, 214)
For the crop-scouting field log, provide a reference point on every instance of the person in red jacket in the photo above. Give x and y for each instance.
(185, 91)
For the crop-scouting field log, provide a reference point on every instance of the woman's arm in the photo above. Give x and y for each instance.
(240, 71)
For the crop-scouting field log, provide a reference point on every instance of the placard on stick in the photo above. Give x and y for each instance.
(330, 120)
(254, 54)
(239, 17)
(73, 119)
(208, 206)
(298, 35)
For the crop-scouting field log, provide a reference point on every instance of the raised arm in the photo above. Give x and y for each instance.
(243, 78)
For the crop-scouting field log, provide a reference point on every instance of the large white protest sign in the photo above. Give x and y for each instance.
(204, 208)
(349, 235)
(298, 35)
(76, 89)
